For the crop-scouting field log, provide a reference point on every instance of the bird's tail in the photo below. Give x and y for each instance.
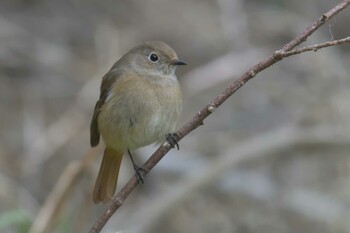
(106, 181)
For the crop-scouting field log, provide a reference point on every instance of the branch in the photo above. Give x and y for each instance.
(313, 47)
(197, 120)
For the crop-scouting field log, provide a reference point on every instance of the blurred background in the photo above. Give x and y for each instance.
(274, 158)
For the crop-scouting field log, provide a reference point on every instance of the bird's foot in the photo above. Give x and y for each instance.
(172, 139)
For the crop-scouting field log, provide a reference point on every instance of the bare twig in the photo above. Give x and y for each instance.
(314, 47)
(318, 23)
(197, 120)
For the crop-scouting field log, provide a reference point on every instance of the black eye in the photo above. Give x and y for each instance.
(153, 57)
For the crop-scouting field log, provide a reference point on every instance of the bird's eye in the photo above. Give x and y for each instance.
(153, 57)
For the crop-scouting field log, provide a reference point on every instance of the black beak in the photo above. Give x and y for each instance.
(178, 63)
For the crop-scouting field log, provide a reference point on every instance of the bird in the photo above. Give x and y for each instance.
(140, 103)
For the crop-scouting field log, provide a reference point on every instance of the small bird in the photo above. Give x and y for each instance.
(140, 103)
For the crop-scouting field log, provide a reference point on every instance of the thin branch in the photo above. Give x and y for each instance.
(314, 47)
(318, 23)
(197, 120)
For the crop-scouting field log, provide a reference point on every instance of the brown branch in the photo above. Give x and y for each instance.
(197, 120)
(318, 23)
(313, 47)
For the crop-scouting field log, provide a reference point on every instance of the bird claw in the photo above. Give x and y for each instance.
(172, 139)
(138, 174)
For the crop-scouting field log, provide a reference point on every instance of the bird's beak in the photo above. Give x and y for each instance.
(177, 62)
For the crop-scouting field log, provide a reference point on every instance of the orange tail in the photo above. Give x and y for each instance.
(107, 176)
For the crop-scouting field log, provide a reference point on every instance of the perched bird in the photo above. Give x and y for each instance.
(140, 103)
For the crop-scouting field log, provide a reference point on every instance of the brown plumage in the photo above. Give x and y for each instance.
(107, 176)
(140, 102)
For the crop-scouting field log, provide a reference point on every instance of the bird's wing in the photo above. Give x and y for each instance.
(107, 82)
